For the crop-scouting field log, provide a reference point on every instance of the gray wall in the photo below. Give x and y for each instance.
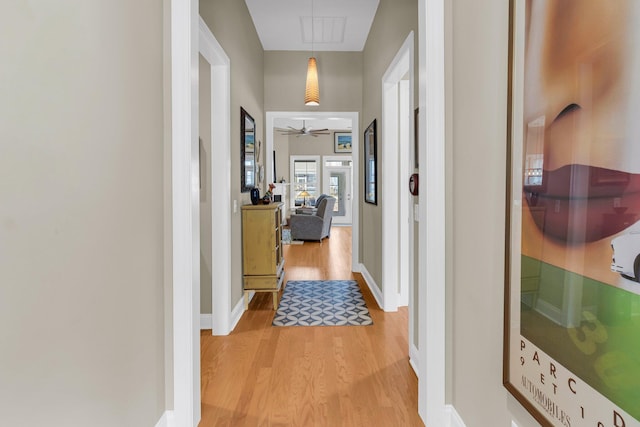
(231, 24)
(392, 24)
(339, 78)
(476, 140)
(81, 218)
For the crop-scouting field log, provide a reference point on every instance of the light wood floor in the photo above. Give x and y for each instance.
(261, 375)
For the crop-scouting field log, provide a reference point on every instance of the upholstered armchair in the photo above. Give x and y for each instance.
(316, 226)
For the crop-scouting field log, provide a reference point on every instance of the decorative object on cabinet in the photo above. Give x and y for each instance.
(247, 151)
(255, 196)
(262, 256)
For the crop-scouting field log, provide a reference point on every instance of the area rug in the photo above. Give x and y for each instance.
(322, 303)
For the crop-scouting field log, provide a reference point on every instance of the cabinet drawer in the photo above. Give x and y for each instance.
(261, 282)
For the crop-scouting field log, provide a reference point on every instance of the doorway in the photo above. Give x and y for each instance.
(216, 115)
(337, 176)
(270, 127)
(397, 209)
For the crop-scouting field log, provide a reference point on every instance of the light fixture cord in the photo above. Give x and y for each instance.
(313, 34)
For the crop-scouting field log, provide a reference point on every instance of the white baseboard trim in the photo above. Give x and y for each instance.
(454, 417)
(356, 268)
(166, 420)
(414, 359)
(373, 287)
(206, 321)
(238, 310)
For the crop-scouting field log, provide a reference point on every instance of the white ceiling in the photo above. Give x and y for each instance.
(338, 25)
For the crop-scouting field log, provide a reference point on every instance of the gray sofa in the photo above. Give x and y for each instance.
(316, 226)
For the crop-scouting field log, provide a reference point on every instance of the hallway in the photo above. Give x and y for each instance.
(310, 376)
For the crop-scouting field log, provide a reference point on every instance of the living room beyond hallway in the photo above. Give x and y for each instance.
(310, 375)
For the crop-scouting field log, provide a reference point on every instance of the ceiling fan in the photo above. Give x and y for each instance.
(304, 131)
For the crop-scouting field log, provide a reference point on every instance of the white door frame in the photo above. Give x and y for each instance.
(355, 132)
(325, 183)
(396, 236)
(186, 213)
(188, 32)
(220, 163)
(432, 319)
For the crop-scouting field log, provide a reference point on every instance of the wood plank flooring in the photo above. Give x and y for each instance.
(261, 375)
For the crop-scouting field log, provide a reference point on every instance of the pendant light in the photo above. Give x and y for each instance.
(312, 92)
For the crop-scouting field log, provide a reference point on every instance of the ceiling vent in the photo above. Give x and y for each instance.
(327, 29)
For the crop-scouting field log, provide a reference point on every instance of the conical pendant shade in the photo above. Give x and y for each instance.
(312, 92)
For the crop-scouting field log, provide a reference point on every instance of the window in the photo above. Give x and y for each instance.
(305, 176)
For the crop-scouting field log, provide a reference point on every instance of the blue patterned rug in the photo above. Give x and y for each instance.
(322, 303)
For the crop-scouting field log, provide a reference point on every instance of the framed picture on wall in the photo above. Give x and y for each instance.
(572, 276)
(342, 142)
(370, 164)
(416, 151)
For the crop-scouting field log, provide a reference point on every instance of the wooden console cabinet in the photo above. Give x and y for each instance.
(262, 260)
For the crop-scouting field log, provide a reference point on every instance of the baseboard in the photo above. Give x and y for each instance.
(454, 417)
(206, 321)
(166, 420)
(373, 287)
(238, 310)
(414, 360)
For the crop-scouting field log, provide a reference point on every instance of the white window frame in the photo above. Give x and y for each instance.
(292, 160)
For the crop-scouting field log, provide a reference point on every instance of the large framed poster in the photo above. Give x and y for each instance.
(572, 293)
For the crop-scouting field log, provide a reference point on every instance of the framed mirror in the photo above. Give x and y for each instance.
(247, 151)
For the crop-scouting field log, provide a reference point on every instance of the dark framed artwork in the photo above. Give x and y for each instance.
(342, 142)
(275, 176)
(572, 266)
(416, 151)
(248, 165)
(371, 164)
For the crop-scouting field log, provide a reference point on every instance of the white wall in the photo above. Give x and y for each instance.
(81, 218)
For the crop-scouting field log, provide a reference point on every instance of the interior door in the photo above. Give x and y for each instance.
(337, 183)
